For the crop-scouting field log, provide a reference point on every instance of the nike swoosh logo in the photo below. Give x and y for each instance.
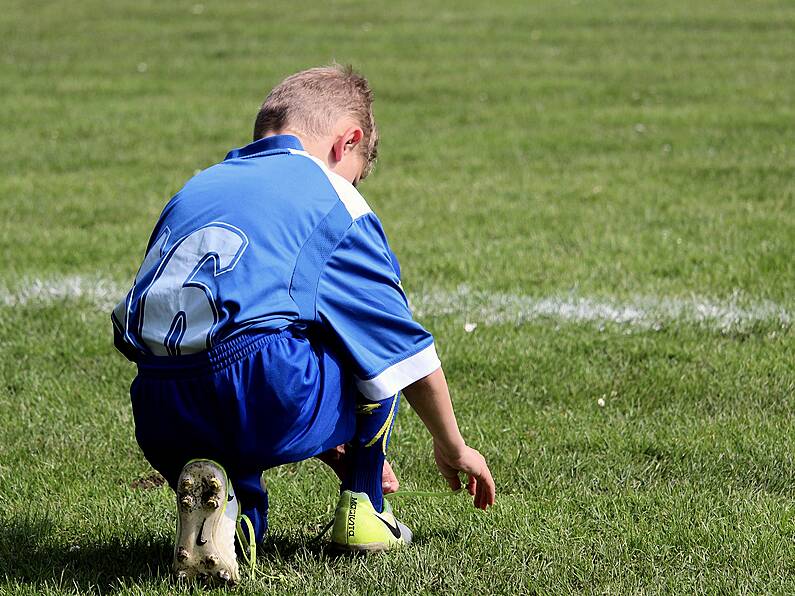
(392, 528)
(199, 540)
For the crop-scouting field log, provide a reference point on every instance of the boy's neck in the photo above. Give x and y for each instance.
(319, 148)
(335, 149)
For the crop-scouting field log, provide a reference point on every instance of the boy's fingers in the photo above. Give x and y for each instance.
(471, 485)
(389, 481)
(453, 481)
(489, 492)
(488, 495)
(481, 499)
(486, 492)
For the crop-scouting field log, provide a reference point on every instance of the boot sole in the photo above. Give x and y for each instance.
(202, 494)
(370, 549)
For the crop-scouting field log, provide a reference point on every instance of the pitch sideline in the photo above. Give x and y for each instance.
(478, 307)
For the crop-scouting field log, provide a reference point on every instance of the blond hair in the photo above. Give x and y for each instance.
(311, 102)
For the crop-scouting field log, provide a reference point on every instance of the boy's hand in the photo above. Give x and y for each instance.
(480, 484)
(430, 399)
(338, 460)
(389, 482)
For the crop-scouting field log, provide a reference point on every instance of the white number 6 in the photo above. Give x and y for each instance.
(178, 311)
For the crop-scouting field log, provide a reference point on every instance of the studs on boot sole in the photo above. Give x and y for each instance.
(186, 484)
(213, 502)
(224, 575)
(210, 561)
(182, 576)
(215, 484)
(182, 554)
(186, 501)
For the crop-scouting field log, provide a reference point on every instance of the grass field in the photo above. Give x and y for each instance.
(607, 189)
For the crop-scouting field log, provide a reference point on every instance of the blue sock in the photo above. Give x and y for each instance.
(253, 502)
(374, 421)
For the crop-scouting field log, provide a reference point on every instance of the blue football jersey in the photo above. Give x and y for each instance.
(271, 239)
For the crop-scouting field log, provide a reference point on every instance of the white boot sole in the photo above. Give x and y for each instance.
(205, 547)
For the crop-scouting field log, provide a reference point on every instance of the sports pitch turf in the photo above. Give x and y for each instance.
(584, 155)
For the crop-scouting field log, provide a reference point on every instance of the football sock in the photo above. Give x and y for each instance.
(254, 504)
(374, 421)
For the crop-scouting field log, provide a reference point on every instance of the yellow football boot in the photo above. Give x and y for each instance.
(359, 527)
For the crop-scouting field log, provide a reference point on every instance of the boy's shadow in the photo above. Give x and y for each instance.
(285, 546)
(31, 554)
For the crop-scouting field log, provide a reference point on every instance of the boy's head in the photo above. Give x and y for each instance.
(330, 109)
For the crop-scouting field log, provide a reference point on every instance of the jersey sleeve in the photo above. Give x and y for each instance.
(361, 303)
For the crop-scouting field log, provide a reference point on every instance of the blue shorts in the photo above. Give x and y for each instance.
(251, 403)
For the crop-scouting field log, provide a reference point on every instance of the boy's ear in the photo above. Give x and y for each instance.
(347, 142)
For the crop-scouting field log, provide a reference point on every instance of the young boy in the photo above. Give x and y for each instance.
(269, 326)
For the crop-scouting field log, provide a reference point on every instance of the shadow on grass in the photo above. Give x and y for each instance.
(31, 553)
(287, 546)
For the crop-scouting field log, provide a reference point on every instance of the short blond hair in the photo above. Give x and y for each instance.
(311, 101)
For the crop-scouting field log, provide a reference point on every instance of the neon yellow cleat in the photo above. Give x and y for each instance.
(359, 527)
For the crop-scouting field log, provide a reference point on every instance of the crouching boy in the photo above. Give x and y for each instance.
(269, 326)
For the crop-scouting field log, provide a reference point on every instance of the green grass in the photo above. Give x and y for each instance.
(612, 150)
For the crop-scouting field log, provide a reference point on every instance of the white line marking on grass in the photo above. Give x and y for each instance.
(645, 312)
(103, 293)
(476, 307)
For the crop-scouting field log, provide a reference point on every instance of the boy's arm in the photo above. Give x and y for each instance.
(430, 398)
(359, 301)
